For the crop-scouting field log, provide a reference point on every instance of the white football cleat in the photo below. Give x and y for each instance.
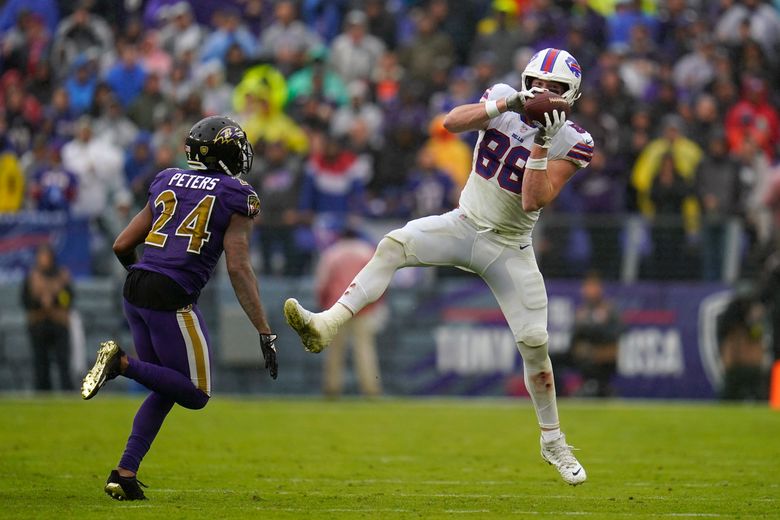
(559, 454)
(314, 332)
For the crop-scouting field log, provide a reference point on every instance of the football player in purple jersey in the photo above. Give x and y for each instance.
(191, 217)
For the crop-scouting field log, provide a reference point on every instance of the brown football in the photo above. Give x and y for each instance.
(544, 102)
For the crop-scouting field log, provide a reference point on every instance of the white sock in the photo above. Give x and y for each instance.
(551, 435)
(372, 281)
(337, 315)
(537, 369)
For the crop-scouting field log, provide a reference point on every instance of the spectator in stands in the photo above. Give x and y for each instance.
(669, 192)
(139, 168)
(500, 35)
(153, 58)
(685, 154)
(150, 105)
(324, 17)
(115, 127)
(59, 120)
(22, 113)
(287, 42)
(354, 53)
(52, 187)
(694, 71)
(594, 339)
(718, 189)
(11, 177)
(430, 46)
(627, 15)
(338, 264)
(80, 85)
(127, 76)
(181, 34)
(387, 79)
(217, 95)
(277, 177)
(98, 166)
(333, 181)
(47, 296)
(448, 153)
(25, 46)
(381, 23)
(762, 20)
(360, 109)
(81, 33)
(178, 85)
(706, 120)
(229, 31)
(317, 80)
(428, 190)
(754, 118)
(12, 10)
(601, 193)
(754, 175)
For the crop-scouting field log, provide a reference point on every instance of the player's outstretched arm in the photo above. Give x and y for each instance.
(244, 281)
(473, 116)
(242, 277)
(132, 236)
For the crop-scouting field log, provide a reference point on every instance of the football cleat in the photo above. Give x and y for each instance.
(559, 454)
(106, 367)
(124, 488)
(315, 334)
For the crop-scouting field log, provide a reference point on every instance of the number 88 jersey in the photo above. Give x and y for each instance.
(492, 197)
(191, 210)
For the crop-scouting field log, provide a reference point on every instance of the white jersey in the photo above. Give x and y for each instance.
(492, 195)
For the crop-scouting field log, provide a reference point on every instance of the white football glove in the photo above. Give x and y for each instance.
(516, 101)
(551, 127)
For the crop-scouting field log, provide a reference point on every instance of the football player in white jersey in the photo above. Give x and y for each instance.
(518, 168)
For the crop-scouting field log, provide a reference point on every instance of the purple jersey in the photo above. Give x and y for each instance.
(191, 212)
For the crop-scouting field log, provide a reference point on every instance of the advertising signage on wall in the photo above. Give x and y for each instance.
(668, 347)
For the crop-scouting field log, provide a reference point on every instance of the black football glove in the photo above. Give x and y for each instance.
(269, 353)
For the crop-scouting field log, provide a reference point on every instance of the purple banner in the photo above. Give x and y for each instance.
(668, 347)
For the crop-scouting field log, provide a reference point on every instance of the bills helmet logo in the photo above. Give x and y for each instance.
(574, 67)
(229, 134)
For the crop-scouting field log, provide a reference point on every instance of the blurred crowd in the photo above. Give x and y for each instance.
(343, 101)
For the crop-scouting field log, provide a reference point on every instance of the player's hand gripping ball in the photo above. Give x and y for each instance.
(544, 103)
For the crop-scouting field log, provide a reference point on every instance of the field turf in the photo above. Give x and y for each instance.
(260, 458)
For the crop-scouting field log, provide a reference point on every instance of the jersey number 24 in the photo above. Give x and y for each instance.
(194, 226)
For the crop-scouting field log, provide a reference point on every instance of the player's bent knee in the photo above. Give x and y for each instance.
(533, 336)
(390, 251)
(197, 400)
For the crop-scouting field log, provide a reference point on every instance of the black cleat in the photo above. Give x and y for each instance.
(124, 488)
(106, 367)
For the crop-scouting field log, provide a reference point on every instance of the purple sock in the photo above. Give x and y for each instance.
(167, 382)
(146, 424)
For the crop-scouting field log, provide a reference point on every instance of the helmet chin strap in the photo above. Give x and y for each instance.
(227, 170)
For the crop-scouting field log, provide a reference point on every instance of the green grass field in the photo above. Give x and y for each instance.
(259, 458)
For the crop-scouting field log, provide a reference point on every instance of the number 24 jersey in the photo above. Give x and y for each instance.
(191, 212)
(492, 195)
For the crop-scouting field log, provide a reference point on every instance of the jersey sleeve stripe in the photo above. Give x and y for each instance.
(583, 147)
(577, 155)
(486, 95)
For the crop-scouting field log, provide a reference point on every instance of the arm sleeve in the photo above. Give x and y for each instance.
(243, 200)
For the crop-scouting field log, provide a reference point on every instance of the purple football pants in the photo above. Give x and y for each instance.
(173, 362)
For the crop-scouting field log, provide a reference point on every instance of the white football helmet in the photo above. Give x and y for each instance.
(555, 65)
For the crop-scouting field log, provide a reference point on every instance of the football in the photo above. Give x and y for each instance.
(545, 102)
